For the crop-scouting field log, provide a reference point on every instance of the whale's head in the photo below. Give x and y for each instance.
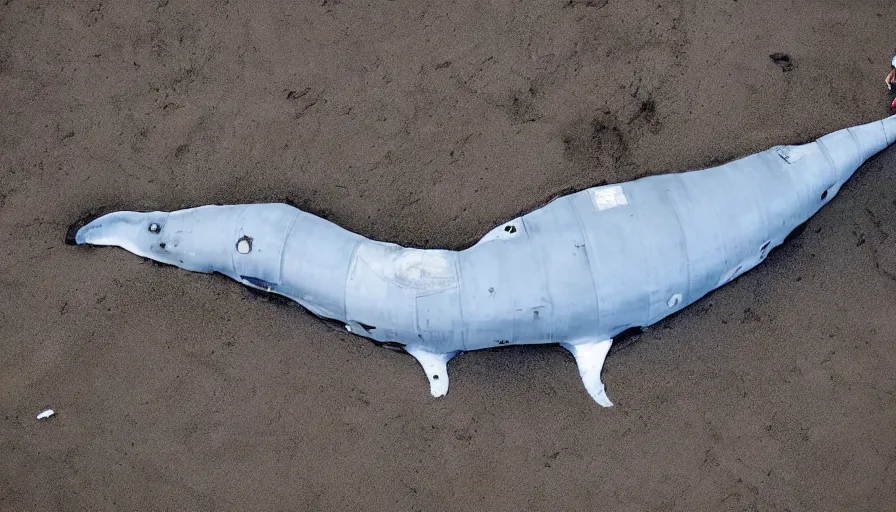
(198, 239)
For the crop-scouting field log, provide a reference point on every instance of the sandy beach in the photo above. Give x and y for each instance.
(427, 124)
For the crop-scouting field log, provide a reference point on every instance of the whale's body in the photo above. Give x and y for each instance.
(577, 271)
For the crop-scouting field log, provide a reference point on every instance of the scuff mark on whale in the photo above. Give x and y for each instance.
(576, 272)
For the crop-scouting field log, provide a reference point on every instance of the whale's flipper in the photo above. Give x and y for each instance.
(435, 366)
(590, 357)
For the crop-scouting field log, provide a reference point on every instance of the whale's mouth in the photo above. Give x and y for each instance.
(92, 215)
(82, 221)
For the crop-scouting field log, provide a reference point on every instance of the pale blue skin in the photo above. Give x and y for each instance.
(577, 271)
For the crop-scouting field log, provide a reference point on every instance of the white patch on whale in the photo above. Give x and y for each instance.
(608, 197)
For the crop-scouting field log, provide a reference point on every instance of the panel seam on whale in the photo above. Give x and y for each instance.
(859, 147)
(832, 165)
(352, 266)
(460, 303)
(676, 181)
(289, 230)
(589, 249)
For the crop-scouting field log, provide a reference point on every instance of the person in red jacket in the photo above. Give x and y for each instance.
(892, 75)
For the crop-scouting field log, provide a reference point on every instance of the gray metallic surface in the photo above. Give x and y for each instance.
(577, 271)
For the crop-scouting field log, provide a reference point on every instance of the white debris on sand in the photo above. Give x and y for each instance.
(46, 414)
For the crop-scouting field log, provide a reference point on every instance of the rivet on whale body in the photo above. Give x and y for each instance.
(154, 228)
(244, 245)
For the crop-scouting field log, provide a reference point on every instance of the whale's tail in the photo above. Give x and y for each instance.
(850, 147)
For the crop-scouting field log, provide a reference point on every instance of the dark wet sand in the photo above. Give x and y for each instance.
(427, 123)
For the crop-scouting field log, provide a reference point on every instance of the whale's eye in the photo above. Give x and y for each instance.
(154, 228)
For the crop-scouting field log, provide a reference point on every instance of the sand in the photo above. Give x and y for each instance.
(427, 123)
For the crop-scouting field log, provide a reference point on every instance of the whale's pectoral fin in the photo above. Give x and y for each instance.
(590, 358)
(435, 366)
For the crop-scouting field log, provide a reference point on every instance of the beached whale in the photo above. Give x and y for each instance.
(577, 271)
